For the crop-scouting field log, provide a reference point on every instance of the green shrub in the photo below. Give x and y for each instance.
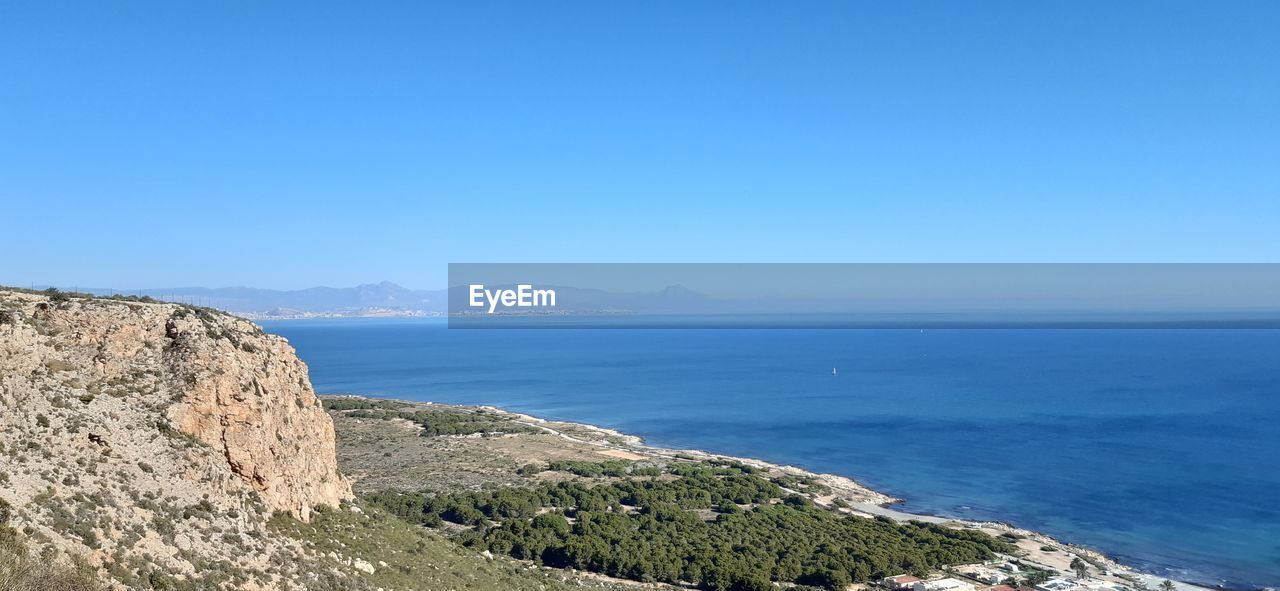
(57, 296)
(529, 470)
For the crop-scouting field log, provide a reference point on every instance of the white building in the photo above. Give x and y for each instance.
(985, 574)
(947, 584)
(1058, 585)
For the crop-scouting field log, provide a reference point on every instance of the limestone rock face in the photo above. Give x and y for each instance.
(247, 394)
(215, 378)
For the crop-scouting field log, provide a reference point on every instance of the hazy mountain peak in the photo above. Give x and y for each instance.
(680, 291)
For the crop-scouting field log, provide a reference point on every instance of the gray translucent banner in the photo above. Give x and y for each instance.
(855, 295)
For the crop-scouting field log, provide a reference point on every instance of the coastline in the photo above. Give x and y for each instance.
(858, 499)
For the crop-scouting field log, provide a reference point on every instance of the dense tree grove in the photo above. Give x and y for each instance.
(614, 468)
(361, 404)
(720, 528)
(433, 422)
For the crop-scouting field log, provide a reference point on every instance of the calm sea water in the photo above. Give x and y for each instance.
(1159, 447)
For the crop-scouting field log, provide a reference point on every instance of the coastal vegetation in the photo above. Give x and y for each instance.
(432, 422)
(719, 527)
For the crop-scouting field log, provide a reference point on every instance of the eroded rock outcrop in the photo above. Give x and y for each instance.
(215, 378)
(247, 394)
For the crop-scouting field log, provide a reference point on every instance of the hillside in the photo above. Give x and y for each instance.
(148, 445)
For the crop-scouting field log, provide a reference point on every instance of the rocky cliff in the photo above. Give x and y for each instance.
(156, 437)
(247, 395)
(216, 378)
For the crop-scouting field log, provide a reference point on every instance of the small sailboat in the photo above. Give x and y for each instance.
(833, 371)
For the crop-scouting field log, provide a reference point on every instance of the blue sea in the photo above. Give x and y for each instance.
(1160, 447)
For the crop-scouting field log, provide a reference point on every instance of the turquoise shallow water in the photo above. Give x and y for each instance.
(1159, 447)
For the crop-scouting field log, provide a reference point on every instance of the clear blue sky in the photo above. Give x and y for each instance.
(288, 145)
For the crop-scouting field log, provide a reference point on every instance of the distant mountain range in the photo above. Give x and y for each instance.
(371, 299)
